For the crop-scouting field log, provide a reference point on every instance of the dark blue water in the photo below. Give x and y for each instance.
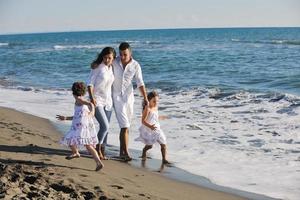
(252, 59)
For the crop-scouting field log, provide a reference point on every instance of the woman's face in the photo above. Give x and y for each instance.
(153, 102)
(125, 56)
(108, 59)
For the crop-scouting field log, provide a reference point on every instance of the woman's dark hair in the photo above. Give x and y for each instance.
(104, 52)
(150, 96)
(124, 45)
(79, 88)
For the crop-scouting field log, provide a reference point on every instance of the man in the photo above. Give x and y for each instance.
(125, 70)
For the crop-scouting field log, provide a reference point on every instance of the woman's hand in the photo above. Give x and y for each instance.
(93, 100)
(92, 109)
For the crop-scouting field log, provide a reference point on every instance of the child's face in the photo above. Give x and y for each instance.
(154, 102)
(108, 59)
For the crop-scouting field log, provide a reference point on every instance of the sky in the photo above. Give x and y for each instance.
(30, 16)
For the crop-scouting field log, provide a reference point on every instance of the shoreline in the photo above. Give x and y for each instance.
(35, 143)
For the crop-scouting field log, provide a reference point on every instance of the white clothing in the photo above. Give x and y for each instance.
(123, 110)
(101, 79)
(148, 136)
(82, 131)
(123, 97)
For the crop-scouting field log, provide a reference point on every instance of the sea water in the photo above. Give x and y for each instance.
(231, 96)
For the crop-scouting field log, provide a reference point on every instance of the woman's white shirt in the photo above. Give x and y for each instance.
(101, 79)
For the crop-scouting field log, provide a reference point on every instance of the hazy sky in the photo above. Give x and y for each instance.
(18, 16)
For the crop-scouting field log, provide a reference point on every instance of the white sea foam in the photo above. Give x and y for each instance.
(4, 44)
(245, 141)
(66, 47)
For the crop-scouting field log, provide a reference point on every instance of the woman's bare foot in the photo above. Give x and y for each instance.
(70, 157)
(104, 158)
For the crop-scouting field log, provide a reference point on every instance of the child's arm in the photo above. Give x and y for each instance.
(82, 101)
(144, 117)
(162, 117)
(62, 118)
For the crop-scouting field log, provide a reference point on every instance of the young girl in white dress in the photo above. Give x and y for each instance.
(82, 131)
(150, 132)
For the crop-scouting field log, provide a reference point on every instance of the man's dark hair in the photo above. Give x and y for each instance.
(124, 45)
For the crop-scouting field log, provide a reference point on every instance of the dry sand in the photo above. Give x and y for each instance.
(33, 166)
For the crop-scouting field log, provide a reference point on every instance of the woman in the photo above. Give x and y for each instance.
(99, 88)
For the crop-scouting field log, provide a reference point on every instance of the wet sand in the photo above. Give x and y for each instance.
(33, 165)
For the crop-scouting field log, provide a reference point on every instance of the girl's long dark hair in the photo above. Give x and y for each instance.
(104, 52)
(150, 96)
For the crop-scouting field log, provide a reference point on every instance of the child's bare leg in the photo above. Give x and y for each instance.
(145, 149)
(75, 153)
(95, 156)
(164, 153)
(74, 149)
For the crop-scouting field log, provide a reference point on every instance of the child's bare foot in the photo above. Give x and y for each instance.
(99, 166)
(70, 157)
(144, 158)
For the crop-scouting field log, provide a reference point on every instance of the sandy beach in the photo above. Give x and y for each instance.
(33, 165)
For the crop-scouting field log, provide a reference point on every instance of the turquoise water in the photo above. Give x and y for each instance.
(253, 59)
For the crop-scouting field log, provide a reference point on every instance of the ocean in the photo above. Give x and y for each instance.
(231, 95)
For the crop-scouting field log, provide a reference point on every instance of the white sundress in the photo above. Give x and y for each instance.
(82, 131)
(148, 136)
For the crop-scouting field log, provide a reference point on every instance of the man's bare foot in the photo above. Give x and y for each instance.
(166, 162)
(126, 158)
(70, 157)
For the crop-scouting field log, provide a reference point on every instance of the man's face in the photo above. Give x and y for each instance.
(125, 56)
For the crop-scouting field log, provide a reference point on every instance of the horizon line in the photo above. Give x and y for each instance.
(144, 29)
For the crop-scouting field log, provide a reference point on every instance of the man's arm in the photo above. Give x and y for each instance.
(144, 94)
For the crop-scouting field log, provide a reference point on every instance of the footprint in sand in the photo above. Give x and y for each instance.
(98, 189)
(28, 133)
(18, 138)
(46, 159)
(71, 180)
(117, 186)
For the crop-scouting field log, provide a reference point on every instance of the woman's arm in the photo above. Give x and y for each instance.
(91, 94)
(92, 109)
